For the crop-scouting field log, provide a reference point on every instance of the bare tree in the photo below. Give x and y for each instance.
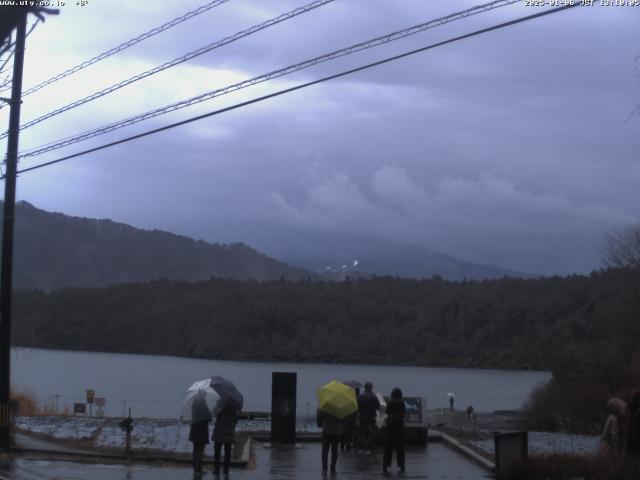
(621, 247)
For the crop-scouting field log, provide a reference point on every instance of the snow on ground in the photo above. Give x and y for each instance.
(147, 434)
(64, 428)
(173, 435)
(547, 442)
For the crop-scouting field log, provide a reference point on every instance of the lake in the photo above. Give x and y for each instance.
(153, 385)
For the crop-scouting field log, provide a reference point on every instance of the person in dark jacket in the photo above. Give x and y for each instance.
(470, 412)
(224, 434)
(332, 428)
(199, 431)
(368, 406)
(631, 426)
(394, 435)
(349, 436)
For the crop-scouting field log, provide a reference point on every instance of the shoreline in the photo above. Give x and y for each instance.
(289, 362)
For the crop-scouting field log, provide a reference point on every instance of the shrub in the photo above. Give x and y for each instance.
(23, 404)
(561, 405)
(566, 466)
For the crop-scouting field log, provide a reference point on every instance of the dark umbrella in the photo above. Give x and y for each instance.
(353, 384)
(229, 394)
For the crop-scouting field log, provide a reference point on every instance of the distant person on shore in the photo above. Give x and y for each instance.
(394, 434)
(451, 400)
(199, 431)
(224, 434)
(470, 412)
(611, 440)
(332, 428)
(368, 406)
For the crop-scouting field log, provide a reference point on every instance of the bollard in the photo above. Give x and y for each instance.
(127, 425)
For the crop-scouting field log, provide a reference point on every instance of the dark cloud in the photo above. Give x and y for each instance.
(510, 148)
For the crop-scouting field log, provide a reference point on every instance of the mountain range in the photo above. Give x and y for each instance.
(327, 252)
(53, 250)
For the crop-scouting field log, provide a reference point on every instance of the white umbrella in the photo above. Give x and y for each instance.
(450, 395)
(198, 402)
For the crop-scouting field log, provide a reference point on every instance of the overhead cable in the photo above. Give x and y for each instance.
(125, 45)
(176, 61)
(265, 77)
(298, 87)
(4, 63)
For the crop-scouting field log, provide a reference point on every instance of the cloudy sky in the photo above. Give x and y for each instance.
(515, 148)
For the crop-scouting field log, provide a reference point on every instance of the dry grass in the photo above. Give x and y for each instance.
(23, 404)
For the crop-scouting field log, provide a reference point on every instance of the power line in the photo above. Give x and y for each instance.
(176, 61)
(299, 87)
(6, 46)
(267, 76)
(125, 45)
(4, 64)
(6, 80)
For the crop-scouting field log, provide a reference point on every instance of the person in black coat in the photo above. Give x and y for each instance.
(368, 406)
(224, 434)
(199, 431)
(394, 435)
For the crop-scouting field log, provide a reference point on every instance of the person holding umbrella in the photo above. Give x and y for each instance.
(199, 431)
(224, 434)
(452, 399)
(336, 402)
(226, 412)
(197, 408)
(332, 428)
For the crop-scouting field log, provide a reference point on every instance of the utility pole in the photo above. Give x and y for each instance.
(7, 235)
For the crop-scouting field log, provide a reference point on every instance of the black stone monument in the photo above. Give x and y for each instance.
(283, 407)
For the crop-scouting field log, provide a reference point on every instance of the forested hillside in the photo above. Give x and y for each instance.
(510, 323)
(53, 250)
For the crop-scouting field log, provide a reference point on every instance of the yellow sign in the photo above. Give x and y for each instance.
(90, 395)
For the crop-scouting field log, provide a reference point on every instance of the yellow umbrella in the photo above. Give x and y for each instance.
(337, 399)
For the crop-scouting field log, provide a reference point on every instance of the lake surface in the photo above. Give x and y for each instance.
(153, 385)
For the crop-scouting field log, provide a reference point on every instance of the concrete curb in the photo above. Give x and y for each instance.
(464, 450)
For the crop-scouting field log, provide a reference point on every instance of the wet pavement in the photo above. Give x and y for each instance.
(277, 462)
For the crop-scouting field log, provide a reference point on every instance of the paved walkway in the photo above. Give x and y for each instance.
(275, 463)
